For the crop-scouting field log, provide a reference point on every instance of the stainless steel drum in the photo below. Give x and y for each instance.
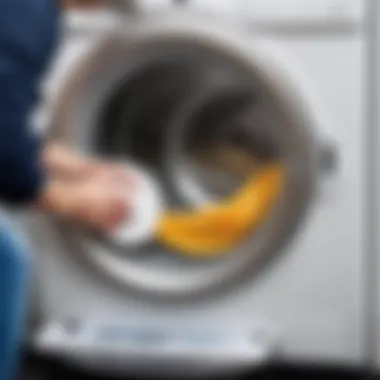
(194, 101)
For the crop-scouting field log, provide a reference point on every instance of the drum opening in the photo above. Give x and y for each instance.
(201, 119)
(196, 118)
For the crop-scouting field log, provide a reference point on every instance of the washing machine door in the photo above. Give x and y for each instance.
(192, 100)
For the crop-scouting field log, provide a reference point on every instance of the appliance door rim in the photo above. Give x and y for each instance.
(302, 120)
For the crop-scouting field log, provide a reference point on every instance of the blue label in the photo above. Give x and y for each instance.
(152, 336)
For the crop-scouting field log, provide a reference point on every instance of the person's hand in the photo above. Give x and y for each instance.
(91, 192)
(60, 162)
(98, 202)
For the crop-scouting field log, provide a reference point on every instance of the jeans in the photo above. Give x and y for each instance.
(14, 280)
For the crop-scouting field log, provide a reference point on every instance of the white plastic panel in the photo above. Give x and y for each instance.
(288, 11)
(314, 295)
(154, 4)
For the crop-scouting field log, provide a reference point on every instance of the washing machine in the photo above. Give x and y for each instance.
(160, 83)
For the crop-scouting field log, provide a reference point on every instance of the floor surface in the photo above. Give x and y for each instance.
(38, 369)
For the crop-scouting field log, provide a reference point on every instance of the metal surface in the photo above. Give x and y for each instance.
(190, 351)
(371, 301)
(217, 64)
(313, 294)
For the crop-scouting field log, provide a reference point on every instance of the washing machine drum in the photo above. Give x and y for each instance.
(200, 108)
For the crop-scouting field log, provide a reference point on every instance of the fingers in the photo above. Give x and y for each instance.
(94, 193)
(103, 204)
(61, 162)
(98, 203)
(115, 172)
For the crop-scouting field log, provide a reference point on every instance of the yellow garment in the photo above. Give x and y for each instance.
(215, 229)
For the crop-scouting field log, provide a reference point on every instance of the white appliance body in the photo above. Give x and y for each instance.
(307, 306)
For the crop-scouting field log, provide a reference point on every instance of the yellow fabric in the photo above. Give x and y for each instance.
(215, 229)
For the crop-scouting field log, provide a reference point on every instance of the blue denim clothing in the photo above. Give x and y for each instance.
(28, 30)
(14, 281)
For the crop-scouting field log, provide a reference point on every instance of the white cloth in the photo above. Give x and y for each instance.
(146, 207)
